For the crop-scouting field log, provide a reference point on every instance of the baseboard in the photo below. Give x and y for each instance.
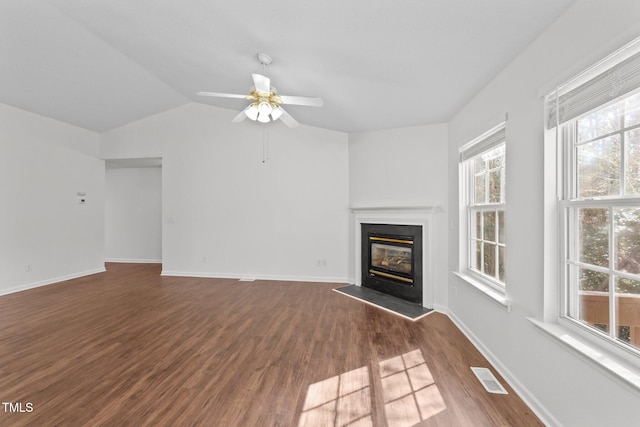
(50, 281)
(441, 309)
(538, 408)
(210, 275)
(134, 261)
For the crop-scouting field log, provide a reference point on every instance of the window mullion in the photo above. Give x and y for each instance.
(571, 248)
(486, 183)
(623, 166)
(481, 241)
(623, 159)
(496, 251)
(612, 280)
(470, 212)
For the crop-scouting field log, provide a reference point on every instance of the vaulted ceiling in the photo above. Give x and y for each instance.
(100, 64)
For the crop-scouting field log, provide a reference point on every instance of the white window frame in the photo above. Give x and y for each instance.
(568, 203)
(616, 358)
(488, 141)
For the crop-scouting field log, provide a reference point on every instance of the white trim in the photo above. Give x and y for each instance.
(417, 208)
(613, 360)
(134, 261)
(441, 309)
(400, 215)
(616, 368)
(485, 142)
(466, 194)
(239, 276)
(51, 281)
(490, 291)
(529, 398)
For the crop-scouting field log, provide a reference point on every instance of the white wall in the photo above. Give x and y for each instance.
(133, 214)
(43, 165)
(228, 214)
(404, 167)
(568, 390)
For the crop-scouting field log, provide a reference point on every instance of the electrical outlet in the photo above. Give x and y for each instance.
(204, 259)
(28, 268)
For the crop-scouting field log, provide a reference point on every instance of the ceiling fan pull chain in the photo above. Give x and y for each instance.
(265, 144)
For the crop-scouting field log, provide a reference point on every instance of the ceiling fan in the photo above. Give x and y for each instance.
(266, 103)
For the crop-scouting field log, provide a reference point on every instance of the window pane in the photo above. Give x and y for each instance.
(479, 165)
(478, 225)
(498, 159)
(479, 189)
(632, 157)
(628, 311)
(490, 259)
(494, 186)
(599, 168)
(627, 235)
(500, 226)
(598, 123)
(501, 263)
(632, 110)
(594, 236)
(593, 281)
(478, 258)
(594, 305)
(489, 225)
(629, 287)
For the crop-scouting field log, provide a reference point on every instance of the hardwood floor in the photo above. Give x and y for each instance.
(128, 347)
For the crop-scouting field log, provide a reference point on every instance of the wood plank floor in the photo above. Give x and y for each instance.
(128, 347)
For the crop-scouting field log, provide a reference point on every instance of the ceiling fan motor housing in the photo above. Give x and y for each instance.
(264, 59)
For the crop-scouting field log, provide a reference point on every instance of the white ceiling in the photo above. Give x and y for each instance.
(378, 64)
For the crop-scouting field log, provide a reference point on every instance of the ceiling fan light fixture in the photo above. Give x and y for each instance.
(252, 112)
(263, 118)
(276, 113)
(265, 108)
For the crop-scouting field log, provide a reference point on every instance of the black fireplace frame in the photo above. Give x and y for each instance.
(401, 289)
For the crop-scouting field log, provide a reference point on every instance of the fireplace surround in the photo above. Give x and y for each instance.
(392, 259)
(421, 216)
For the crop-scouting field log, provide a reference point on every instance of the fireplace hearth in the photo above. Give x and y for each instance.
(392, 259)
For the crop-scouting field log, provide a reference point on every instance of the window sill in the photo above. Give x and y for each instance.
(610, 364)
(487, 290)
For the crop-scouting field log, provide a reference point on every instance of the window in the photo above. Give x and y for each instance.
(597, 123)
(483, 189)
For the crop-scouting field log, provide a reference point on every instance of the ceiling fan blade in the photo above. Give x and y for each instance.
(288, 120)
(223, 95)
(301, 100)
(261, 83)
(240, 117)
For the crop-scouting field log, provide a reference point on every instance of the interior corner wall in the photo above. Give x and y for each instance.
(46, 235)
(564, 388)
(226, 213)
(133, 214)
(404, 167)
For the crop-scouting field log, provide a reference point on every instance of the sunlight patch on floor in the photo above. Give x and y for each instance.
(409, 393)
(343, 400)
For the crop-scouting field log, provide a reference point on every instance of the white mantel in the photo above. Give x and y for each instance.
(399, 215)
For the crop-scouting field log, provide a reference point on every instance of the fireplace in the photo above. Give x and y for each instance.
(392, 259)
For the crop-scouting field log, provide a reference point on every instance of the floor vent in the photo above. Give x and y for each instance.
(489, 381)
(247, 279)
